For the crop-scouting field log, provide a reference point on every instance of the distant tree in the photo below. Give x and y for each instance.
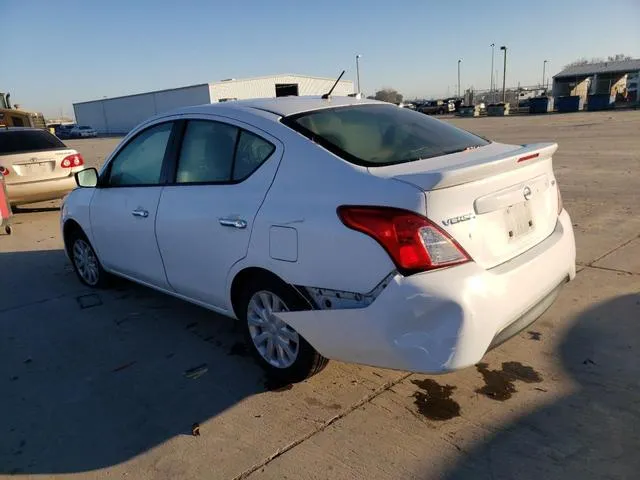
(618, 57)
(388, 95)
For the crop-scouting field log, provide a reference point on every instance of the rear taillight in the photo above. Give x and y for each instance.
(414, 243)
(4, 171)
(72, 161)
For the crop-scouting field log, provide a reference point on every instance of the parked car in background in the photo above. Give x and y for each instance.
(36, 165)
(434, 107)
(63, 131)
(82, 131)
(330, 228)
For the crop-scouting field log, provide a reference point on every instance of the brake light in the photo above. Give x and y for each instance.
(528, 157)
(72, 161)
(4, 171)
(413, 242)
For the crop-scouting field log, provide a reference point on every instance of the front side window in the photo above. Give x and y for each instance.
(140, 161)
(377, 135)
(207, 152)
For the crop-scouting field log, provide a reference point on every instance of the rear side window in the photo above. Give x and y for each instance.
(23, 141)
(379, 135)
(216, 152)
(207, 152)
(252, 151)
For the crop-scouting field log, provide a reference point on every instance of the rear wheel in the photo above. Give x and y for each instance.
(85, 261)
(276, 346)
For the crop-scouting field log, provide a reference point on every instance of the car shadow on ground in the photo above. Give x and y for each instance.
(90, 380)
(594, 432)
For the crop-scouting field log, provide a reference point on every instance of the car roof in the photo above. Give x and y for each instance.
(282, 106)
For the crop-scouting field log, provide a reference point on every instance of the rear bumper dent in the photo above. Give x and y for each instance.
(445, 320)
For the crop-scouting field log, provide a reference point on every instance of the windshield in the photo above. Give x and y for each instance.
(20, 141)
(377, 135)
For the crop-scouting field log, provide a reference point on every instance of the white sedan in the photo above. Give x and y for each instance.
(331, 228)
(83, 131)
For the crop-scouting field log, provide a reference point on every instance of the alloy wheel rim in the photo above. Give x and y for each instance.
(276, 342)
(85, 261)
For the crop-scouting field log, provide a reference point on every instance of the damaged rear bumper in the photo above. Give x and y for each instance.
(444, 320)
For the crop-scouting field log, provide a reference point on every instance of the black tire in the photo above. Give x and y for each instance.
(8, 230)
(103, 277)
(308, 361)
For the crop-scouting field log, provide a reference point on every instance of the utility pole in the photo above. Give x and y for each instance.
(493, 95)
(504, 75)
(358, 71)
(459, 61)
(544, 69)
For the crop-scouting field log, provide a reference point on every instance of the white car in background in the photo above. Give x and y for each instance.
(83, 131)
(330, 228)
(36, 166)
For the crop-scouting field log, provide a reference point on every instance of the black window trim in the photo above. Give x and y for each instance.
(291, 122)
(103, 180)
(172, 167)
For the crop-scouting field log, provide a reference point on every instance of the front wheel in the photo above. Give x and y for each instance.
(85, 261)
(276, 346)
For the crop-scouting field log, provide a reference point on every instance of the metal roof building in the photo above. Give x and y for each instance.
(118, 115)
(624, 66)
(594, 78)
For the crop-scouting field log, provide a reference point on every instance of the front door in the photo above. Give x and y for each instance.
(205, 218)
(124, 208)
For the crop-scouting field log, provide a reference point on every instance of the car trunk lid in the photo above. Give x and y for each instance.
(495, 201)
(36, 166)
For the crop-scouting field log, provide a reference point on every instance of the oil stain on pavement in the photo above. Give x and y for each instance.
(434, 400)
(500, 384)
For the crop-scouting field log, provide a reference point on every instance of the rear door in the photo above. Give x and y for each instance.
(124, 207)
(223, 172)
(32, 155)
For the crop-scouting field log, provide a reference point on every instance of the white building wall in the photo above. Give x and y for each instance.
(119, 115)
(265, 87)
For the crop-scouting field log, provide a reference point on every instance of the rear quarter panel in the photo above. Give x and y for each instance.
(311, 183)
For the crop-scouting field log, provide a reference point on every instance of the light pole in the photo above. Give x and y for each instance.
(358, 70)
(544, 69)
(504, 75)
(493, 96)
(459, 61)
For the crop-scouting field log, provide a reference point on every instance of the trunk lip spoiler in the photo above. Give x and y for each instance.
(476, 168)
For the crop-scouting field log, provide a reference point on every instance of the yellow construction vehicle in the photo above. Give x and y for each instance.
(13, 116)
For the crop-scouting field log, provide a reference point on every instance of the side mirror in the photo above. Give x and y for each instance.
(87, 178)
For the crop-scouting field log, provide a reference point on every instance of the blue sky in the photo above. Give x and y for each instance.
(65, 51)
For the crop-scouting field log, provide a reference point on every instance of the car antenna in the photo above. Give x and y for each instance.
(326, 95)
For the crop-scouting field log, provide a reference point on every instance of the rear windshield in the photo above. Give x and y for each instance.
(379, 135)
(20, 141)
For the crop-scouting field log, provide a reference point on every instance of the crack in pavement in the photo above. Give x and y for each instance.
(610, 269)
(281, 451)
(624, 244)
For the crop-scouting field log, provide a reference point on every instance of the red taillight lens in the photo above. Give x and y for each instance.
(414, 243)
(4, 171)
(72, 161)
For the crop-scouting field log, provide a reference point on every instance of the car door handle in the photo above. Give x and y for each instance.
(233, 222)
(140, 213)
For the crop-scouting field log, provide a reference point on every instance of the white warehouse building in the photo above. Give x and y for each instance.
(119, 115)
